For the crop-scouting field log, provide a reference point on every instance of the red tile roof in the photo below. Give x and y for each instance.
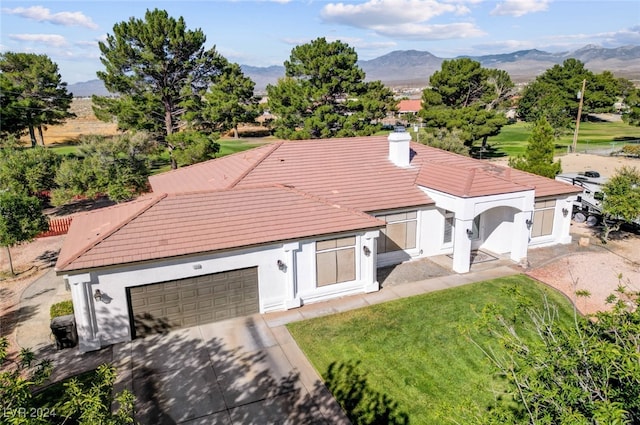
(277, 192)
(353, 172)
(183, 224)
(216, 174)
(467, 177)
(409, 105)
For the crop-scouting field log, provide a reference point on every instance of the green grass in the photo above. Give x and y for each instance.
(63, 308)
(160, 163)
(512, 139)
(414, 350)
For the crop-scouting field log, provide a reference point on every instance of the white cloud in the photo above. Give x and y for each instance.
(405, 19)
(385, 12)
(431, 32)
(519, 8)
(54, 40)
(42, 14)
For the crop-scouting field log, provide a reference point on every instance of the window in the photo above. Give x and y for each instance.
(400, 232)
(448, 227)
(543, 215)
(335, 261)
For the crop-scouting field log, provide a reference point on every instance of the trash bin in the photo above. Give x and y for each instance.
(64, 331)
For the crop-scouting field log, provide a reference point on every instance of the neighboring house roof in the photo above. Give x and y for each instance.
(409, 105)
(278, 192)
(182, 224)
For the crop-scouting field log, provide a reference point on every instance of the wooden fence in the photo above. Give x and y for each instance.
(57, 226)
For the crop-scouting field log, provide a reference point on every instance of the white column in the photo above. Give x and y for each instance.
(565, 229)
(521, 236)
(293, 299)
(369, 262)
(462, 246)
(84, 311)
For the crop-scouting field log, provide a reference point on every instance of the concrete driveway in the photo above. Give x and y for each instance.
(239, 371)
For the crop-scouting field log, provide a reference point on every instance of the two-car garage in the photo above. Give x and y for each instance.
(175, 304)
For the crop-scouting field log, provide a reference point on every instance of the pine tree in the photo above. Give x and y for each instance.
(538, 157)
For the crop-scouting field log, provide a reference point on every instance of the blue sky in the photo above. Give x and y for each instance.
(262, 33)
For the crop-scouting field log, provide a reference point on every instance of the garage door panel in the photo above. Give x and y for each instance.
(188, 302)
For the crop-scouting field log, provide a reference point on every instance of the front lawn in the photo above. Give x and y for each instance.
(512, 139)
(417, 351)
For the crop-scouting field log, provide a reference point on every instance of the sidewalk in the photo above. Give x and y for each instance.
(32, 330)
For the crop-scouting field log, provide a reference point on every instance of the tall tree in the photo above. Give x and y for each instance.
(228, 102)
(324, 94)
(464, 97)
(632, 101)
(33, 94)
(554, 94)
(538, 157)
(155, 66)
(21, 220)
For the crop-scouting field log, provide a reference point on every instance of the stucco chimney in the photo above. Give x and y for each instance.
(399, 150)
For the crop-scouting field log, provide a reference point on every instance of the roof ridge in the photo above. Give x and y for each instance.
(470, 177)
(204, 163)
(508, 178)
(134, 215)
(258, 162)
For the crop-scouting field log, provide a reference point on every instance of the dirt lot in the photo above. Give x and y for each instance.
(85, 123)
(597, 269)
(580, 162)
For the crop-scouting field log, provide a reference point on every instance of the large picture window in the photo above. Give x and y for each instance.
(543, 215)
(400, 232)
(335, 261)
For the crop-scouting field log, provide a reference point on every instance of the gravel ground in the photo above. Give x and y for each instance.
(598, 269)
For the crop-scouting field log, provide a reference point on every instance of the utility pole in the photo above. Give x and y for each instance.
(575, 133)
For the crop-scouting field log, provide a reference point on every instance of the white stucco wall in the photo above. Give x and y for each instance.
(561, 224)
(106, 322)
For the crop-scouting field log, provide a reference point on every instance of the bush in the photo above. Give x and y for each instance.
(63, 308)
(631, 150)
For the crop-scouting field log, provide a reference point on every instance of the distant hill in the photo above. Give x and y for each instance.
(88, 89)
(412, 68)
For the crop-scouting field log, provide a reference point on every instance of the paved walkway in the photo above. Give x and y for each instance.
(247, 370)
(34, 315)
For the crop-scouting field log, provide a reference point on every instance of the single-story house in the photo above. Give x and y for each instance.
(294, 222)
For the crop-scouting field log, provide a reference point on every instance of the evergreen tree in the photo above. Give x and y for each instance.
(464, 97)
(229, 101)
(156, 66)
(324, 94)
(538, 157)
(32, 94)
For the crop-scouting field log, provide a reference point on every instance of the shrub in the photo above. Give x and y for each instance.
(62, 308)
(631, 150)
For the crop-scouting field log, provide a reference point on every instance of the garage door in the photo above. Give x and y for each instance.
(161, 307)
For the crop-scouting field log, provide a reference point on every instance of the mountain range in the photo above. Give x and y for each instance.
(412, 68)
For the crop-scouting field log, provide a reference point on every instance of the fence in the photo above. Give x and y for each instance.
(57, 226)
